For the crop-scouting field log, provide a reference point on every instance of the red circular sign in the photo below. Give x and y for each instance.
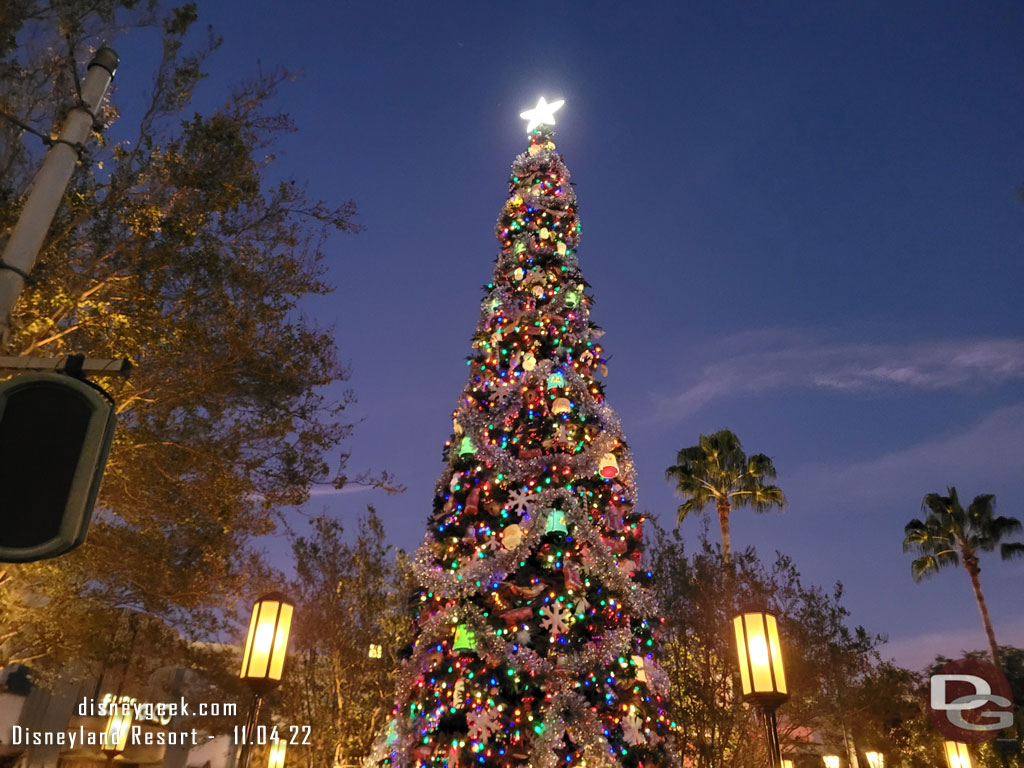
(969, 700)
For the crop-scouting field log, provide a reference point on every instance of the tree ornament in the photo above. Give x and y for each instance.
(529, 361)
(581, 605)
(572, 299)
(482, 724)
(465, 639)
(518, 274)
(466, 447)
(517, 616)
(561, 405)
(641, 673)
(519, 501)
(632, 730)
(512, 536)
(473, 502)
(456, 427)
(556, 380)
(555, 522)
(571, 572)
(609, 466)
(555, 619)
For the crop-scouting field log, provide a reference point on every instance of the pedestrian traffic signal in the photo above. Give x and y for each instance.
(55, 434)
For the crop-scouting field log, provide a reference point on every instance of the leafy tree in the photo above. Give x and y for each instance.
(949, 535)
(350, 596)
(1005, 751)
(717, 470)
(172, 249)
(892, 717)
(827, 661)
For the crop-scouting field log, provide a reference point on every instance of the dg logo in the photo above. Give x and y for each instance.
(970, 701)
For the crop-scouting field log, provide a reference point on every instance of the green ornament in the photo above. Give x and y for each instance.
(465, 639)
(518, 247)
(466, 448)
(555, 522)
(571, 298)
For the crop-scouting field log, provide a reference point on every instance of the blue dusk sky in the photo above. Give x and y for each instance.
(801, 222)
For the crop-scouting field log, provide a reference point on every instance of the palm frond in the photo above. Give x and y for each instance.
(928, 565)
(1011, 550)
(989, 532)
(688, 506)
(766, 497)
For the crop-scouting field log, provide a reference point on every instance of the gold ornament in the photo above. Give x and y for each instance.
(512, 536)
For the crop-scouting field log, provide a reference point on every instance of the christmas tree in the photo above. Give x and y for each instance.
(535, 635)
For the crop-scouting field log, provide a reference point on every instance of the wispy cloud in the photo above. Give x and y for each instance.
(986, 451)
(328, 491)
(777, 360)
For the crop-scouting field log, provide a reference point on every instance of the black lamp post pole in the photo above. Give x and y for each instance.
(249, 734)
(771, 732)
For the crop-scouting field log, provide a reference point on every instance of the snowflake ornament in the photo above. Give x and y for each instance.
(555, 619)
(632, 729)
(482, 724)
(519, 501)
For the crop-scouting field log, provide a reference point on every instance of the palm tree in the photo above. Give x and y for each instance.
(949, 535)
(717, 469)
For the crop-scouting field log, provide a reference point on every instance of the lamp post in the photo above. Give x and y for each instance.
(957, 755)
(875, 759)
(787, 762)
(761, 672)
(278, 748)
(115, 735)
(263, 658)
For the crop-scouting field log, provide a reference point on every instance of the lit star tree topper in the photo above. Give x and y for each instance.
(542, 114)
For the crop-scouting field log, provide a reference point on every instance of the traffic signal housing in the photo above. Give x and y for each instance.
(55, 435)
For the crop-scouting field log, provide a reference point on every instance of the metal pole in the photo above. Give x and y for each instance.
(49, 185)
(771, 732)
(249, 734)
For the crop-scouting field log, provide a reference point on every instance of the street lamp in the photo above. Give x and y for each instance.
(875, 759)
(278, 747)
(787, 763)
(831, 761)
(957, 755)
(115, 735)
(761, 672)
(263, 658)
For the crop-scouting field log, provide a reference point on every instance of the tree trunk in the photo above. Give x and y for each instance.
(723, 521)
(973, 569)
